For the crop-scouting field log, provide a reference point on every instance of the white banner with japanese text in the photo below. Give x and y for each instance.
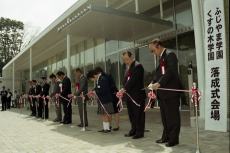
(215, 66)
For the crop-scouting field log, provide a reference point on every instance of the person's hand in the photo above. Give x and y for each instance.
(122, 90)
(56, 95)
(70, 96)
(91, 93)
(154, 86)
(74, 97)
(150, 86)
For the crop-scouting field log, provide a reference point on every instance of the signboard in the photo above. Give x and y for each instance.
(215, 66)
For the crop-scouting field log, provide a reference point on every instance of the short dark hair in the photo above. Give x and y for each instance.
(52, 76)
(60, 73)
(156, 41)
(98, 70)
(79, 70)
(43, 78)
(91, 74)
(35, 81)
(128, 53)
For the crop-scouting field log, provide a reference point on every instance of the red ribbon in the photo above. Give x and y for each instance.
(57, 101)
(152, 97)
(132, 99)
(68, 100)
(196, 96)
(120, 95)
(91, 94)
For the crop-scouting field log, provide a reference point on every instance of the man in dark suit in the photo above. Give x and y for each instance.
(30, 93)
(4, 98)
(81, 87)
(9, 98)
(133, 84)
(44, 93)
(38, 101)
(34, 100)
(65, 90)
(167, 76)
(56, 90)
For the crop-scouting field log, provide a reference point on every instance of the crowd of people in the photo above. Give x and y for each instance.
(8, 99)
(105, 93)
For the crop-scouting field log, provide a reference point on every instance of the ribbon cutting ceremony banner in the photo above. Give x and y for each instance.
(215, 66)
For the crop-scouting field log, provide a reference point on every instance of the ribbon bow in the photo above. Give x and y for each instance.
(196, 96)
(151, 96)
(91, 94)
(120, 95)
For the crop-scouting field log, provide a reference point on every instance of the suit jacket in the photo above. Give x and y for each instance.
(170, 77)
(55, 89)
(38, 90)
(35, 90)
(134, 82)
(83, 86)
(9, 96)
(30, 92)
(113, 88)
(45, 89)
(102, 89)
(3, 94)
(66, 87)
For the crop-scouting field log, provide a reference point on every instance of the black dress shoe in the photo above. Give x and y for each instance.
(56, 120)
(129, 135)
(138, 136)
(116, 129)
(106, 131)
(171, 144)
(67, 123)
(101, 130)
(161, 141)
(81, 125)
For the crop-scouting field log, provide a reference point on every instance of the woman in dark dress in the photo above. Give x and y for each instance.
(104, 97)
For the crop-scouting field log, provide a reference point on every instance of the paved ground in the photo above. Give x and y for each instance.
(20, 133)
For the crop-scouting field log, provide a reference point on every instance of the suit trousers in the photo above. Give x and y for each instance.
(136, 118)
(67, 111)
(170, 115)
(80, 109)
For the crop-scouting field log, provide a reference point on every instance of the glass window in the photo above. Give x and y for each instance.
(183, 14)
(81, 55)
(73, 62)
(186, 55)
(89, 55)
(112, 67)
(64, 63)
(54, 65)
(147, 59)
(49, 67)
(100, 53)
(111, 46)
(59, 65)
(125, 44)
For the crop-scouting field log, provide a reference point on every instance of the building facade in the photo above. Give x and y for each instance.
(95, 33)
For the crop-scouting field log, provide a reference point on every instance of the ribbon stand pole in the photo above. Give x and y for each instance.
(195, 94)
(83, 111)
(21, 102)
(36, 106)
(44, 108)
